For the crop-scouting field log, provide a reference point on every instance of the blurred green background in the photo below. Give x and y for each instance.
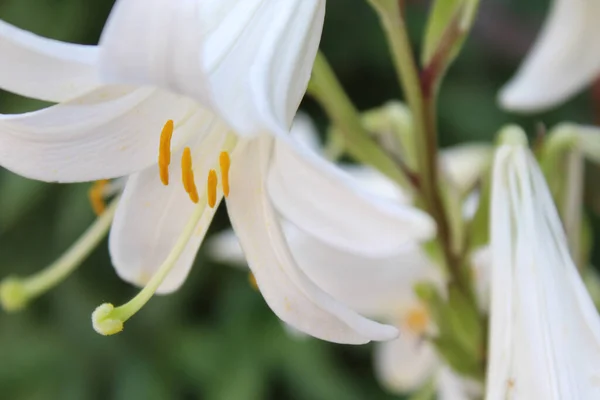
(216, 339)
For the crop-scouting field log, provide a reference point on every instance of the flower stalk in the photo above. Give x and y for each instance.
(420, 90)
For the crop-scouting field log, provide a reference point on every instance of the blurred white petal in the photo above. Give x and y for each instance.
(45, 69)
(405, 364)
(481, 261)
(451, 386)
(565, 58)
(465, 164)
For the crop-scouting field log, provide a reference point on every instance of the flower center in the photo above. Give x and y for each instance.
(187, 171)
(417, 319)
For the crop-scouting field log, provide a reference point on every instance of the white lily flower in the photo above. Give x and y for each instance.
(227, 77)
(380, 287)
(564, 60)
(545, 330)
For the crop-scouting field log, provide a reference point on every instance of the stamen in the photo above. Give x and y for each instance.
(212, 188)
(16, 292)
(417, 320)
(187, 175)
(164, 152)
(225, 163)
(96, 195)
(109, 320)
(252, 281)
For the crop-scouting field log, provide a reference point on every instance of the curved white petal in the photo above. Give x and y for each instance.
(45, 69)
(405, 364)
(282, 67)
(250, 60)
(151, 217)
(370, 286)
(110, 132)
(565, 58)
(287, 290)
(545, 330)
(322, 200)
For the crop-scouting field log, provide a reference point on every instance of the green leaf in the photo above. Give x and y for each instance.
(466, 323)
(447, 16)
(440, 16)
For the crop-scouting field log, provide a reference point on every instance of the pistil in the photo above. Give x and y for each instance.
(109, 320)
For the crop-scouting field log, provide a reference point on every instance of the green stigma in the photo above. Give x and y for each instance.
(13, 294)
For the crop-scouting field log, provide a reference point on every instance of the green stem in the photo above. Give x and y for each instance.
(328, 91)
(423, 108)
(406, 68)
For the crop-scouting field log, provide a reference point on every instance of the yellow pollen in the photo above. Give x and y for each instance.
(417, 320)
(225, 163)
(252, 281)
(212, 188)
(187, 175)
(164, 152)
(96, 196)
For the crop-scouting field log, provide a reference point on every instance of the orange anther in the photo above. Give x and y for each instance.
(96, 196)
(212, 188)
(225, 163)
(187, 175)
(164, 152)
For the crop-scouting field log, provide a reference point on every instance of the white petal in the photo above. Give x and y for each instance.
(565, 58)
(466, 163)
(290, 294)
(454, 387)
(405, 364)
(108, 133)
(151, 217)
(370, 286)
(45, 69)
(225, 247)
(250, 60)
(545, 330)
(305, 133)
(282, 67)
(481, 261)
(322, 200)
